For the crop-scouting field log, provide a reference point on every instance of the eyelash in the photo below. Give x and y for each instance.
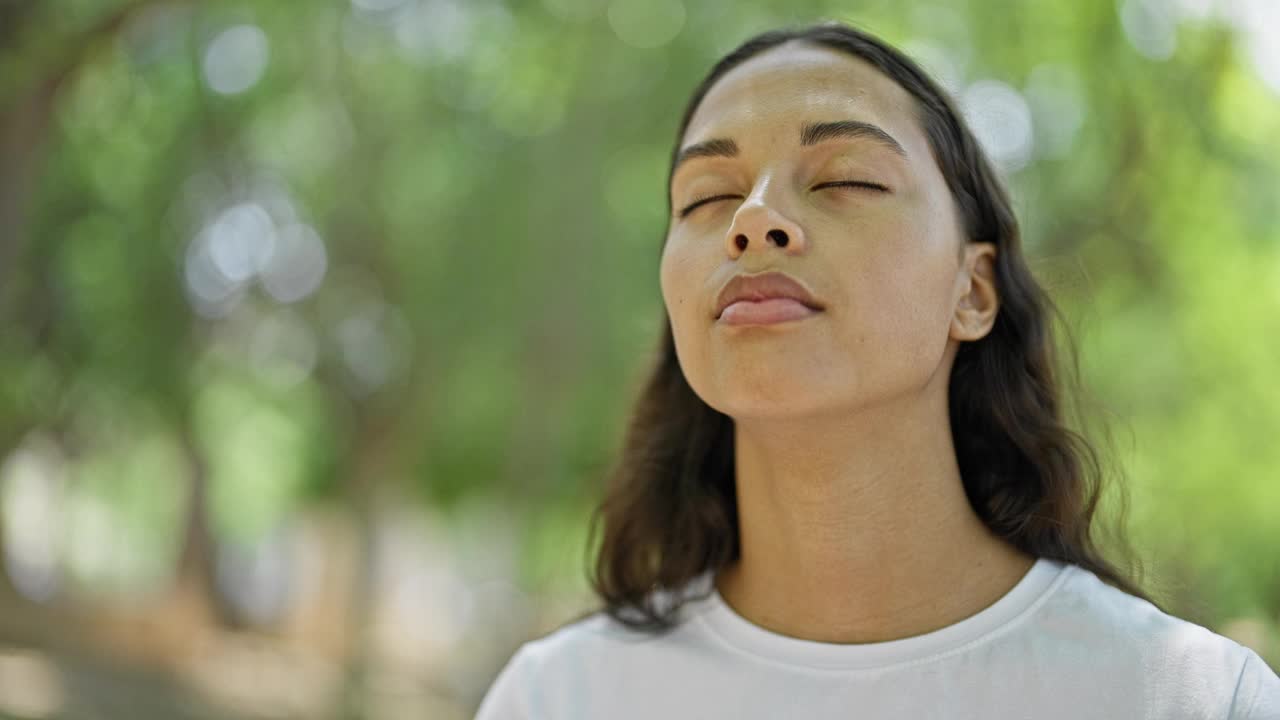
(840, 183)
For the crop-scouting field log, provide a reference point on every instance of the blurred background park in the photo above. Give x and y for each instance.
(319, 321)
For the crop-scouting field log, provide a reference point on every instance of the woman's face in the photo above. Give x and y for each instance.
(897, 284)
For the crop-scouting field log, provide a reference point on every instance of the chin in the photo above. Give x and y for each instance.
(764, 397)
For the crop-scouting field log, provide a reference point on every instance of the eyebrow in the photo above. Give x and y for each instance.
(810, 134)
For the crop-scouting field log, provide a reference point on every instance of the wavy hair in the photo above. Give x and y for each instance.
(669, 512)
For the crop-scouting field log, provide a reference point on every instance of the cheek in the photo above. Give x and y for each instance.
(683, 277)
(669, 283)
(679, 280)
(897, 291)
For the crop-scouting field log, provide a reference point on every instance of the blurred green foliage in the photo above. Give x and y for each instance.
(274, 257)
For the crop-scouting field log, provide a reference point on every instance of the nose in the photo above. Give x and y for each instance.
(758, 224)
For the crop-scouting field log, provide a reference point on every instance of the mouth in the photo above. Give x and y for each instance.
(774, 292)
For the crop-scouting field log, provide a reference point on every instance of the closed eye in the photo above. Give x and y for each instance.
(703, 201)
(852, 183)
(838, 183)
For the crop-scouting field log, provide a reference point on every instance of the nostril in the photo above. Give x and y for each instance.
(741, 242)
(778, 237)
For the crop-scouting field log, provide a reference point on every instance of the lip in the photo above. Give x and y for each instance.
(772, 285)
(765, 312)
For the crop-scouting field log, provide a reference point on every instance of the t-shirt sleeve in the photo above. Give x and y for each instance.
(1258, 691)
(508, 696)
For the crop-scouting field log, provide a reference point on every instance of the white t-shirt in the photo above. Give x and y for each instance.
(1059, 644)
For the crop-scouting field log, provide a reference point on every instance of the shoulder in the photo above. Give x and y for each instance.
(1185, 660)
(1257, 695)
(585, 641)
(586, 638)
(1088, 604)
(552, 671)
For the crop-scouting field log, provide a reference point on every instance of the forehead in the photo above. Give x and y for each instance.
(777, 91)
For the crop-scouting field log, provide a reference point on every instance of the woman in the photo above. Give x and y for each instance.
(847, 490)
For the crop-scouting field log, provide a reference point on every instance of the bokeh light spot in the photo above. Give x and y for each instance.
(646, 23)
(1001, 119)
(235, 59)
(1150, 27)
(296, 264)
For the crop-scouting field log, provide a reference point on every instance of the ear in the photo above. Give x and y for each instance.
(978, 299)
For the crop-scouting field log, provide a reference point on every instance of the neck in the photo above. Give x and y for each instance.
(859, 530)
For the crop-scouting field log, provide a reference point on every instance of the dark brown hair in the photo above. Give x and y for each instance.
(670, 511)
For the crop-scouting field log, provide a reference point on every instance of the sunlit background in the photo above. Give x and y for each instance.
(319, 321)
